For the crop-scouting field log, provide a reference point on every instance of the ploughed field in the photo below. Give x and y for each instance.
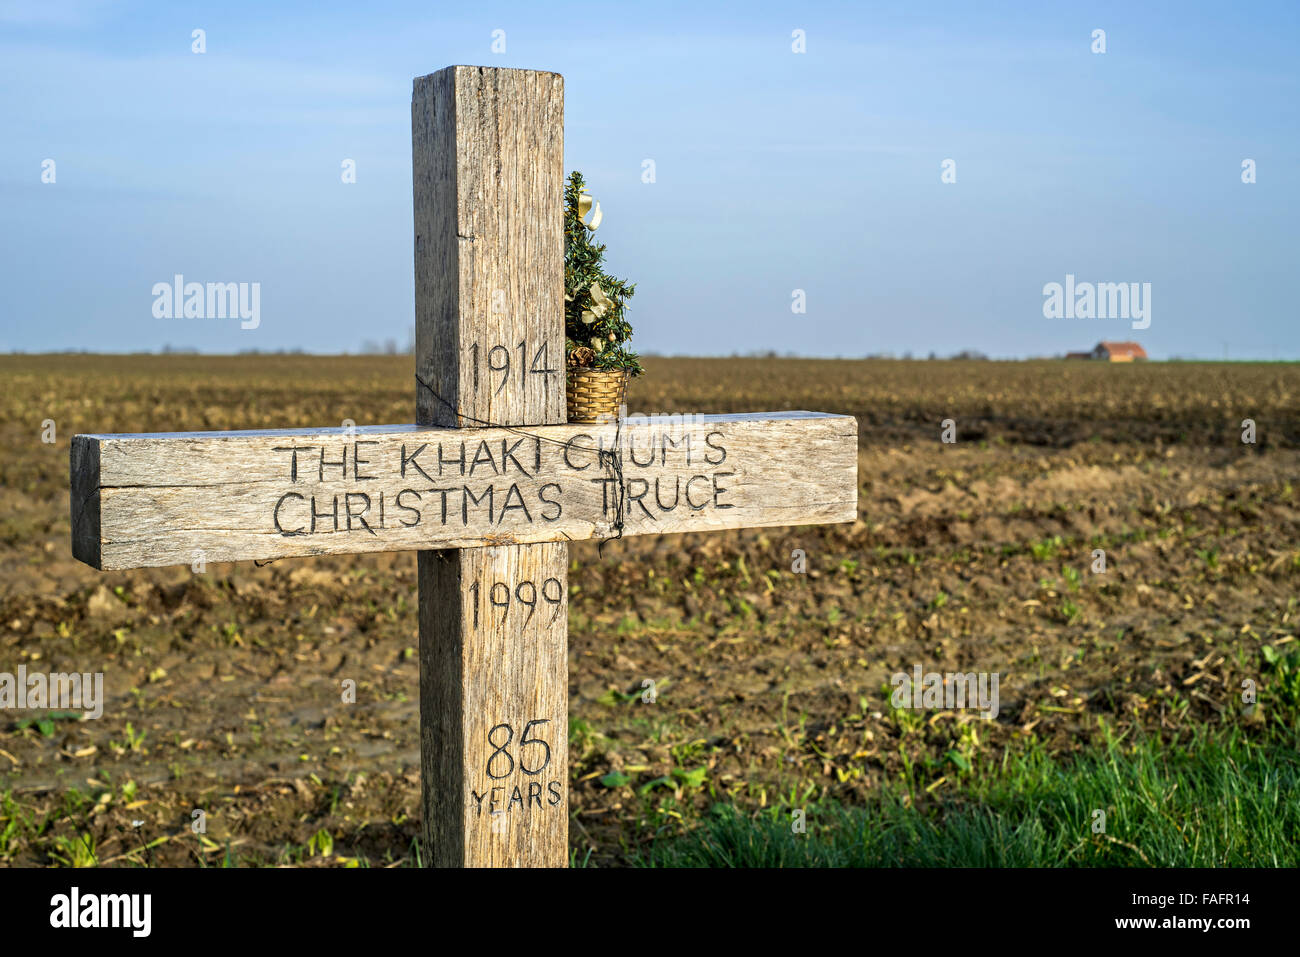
(771, 688)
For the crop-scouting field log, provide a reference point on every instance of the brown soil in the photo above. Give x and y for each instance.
(223, 687)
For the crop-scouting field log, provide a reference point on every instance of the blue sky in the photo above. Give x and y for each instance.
(775, 171)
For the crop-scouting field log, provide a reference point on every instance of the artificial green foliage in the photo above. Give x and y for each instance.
(599, 342)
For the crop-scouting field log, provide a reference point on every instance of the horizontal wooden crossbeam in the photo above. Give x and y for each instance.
(144, 500)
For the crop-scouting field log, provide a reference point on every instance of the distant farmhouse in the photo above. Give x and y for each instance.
(1112, 352)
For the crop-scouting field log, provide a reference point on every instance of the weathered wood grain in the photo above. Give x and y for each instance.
(487, 158)
(487, 150)
(149, 500)
(494, 705)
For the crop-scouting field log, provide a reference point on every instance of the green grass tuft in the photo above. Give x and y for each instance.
(1211, 801)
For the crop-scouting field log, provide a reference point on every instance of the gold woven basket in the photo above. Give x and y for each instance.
(594, 395)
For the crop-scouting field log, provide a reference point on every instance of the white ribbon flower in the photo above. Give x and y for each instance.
(600, 304)
(584, 207)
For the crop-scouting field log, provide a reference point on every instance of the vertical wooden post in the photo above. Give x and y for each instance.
(488, 170)
(488, 175)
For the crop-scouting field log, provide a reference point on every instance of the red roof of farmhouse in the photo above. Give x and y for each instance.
(1124, 349)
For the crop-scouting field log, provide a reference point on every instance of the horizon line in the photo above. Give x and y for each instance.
(973, 356)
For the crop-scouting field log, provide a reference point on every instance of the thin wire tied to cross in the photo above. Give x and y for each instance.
(609, 459)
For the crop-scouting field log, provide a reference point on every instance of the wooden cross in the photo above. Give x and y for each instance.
(489, 486)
